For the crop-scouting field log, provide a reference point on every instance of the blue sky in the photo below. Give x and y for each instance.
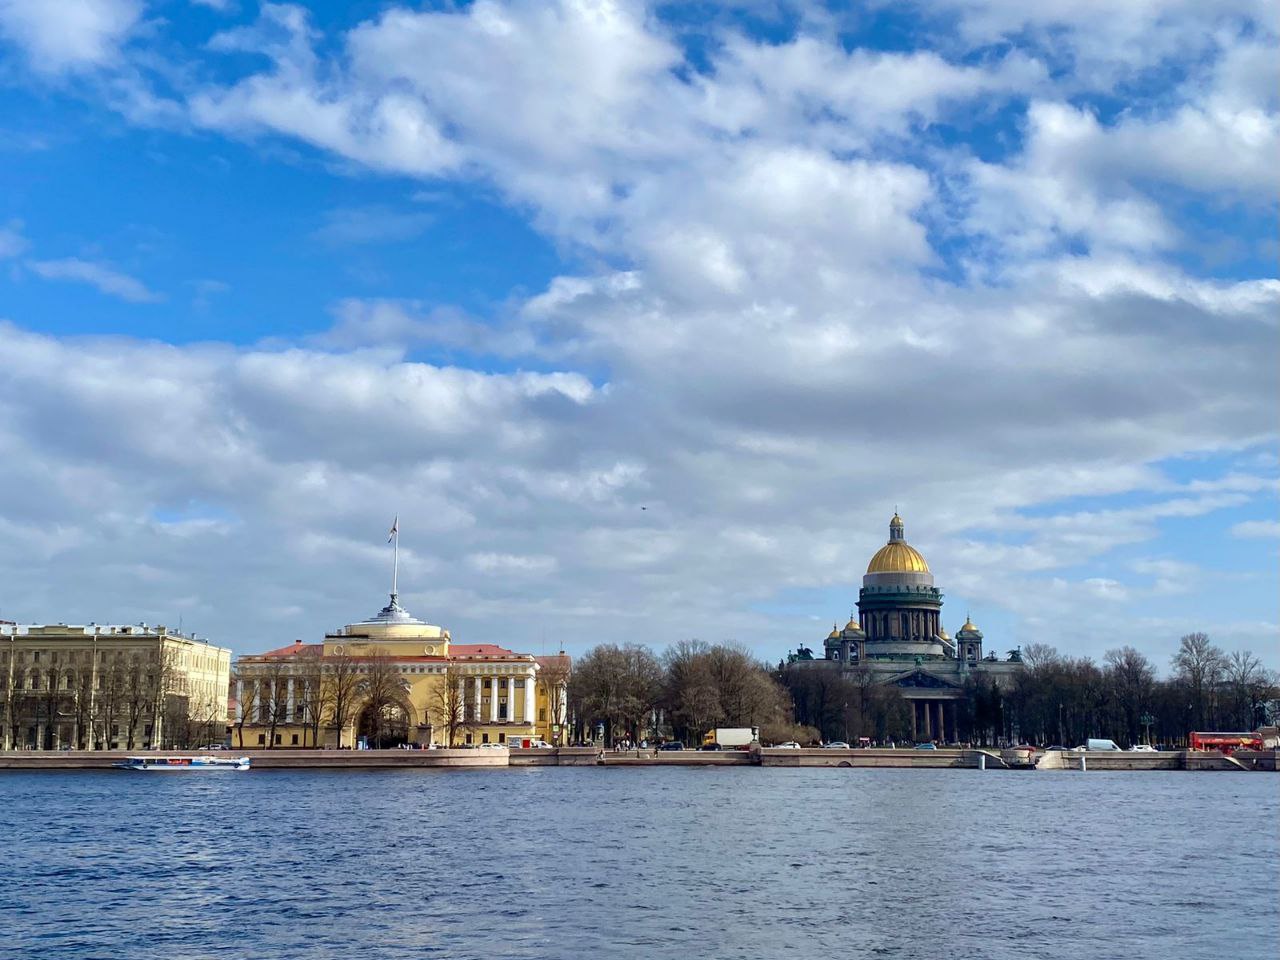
(643, 317)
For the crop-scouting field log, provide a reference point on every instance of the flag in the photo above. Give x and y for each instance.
(395, 528)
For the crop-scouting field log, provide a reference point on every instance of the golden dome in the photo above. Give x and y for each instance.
(834, 634)
(897, 556)
(969, 626)
(853, 624)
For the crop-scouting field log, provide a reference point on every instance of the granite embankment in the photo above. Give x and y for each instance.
(502, 757)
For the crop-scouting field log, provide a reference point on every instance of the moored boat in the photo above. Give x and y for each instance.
(183, 763)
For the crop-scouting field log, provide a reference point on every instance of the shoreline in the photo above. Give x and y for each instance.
(945, 758)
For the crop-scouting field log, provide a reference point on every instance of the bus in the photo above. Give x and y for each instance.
(1228, 743)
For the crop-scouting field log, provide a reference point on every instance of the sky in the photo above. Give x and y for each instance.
(643, 318)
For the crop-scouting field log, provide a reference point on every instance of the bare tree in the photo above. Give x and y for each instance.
(1248, 688)
(1199, 664)
(314, 695)
(137, 696)
(384, 696)
(1132, 679)
(448, 704)
(246, 683)
(553, 680)
(8, 689)
(274, 680)
(342, 684)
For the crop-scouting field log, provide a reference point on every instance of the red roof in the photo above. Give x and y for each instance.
(479, 650)
(292, 650)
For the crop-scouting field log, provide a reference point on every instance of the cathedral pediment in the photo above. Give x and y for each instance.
(918, 679)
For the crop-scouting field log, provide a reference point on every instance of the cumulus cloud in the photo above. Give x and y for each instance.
(69, 34)
(107, 280)
(796, 301)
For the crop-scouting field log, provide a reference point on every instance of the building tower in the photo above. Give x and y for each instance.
(899, 608)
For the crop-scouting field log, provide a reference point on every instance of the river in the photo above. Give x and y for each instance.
(680, 863)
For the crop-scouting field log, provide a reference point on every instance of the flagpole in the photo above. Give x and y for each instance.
(395, 564)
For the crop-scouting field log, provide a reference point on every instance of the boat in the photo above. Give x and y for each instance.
(183, 763)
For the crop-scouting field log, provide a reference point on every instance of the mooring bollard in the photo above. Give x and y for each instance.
(1083, 766)
(982, 760)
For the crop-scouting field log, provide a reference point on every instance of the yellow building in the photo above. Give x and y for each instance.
(394, 679)
(103, 686)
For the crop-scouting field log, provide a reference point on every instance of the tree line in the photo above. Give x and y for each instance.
(111, 699)
(628, 691)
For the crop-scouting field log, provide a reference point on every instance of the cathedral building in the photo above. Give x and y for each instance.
(899, 638)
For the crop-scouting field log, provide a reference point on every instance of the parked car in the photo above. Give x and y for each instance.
(672, 745)
(1142, 748)
(836, 745)
(926, 746)
(493, 746)
(215, 746)
(1097, 744)
(712, 746)
(789, 745)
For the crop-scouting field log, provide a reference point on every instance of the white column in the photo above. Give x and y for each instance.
(462, 699)
(239, 699)
(511, 699)
(531, 699)
(479, 695)
(493, 699)
(289, 714)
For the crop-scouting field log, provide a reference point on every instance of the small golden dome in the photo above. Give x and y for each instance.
(942, 632)
(897, 556)
(853, 624)
(834, 634)
(969, 627)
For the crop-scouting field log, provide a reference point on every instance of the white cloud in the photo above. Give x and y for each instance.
(760, 349)
(371, 225)
(1256, 528)
(106, 279)
(69, 34)
(12, 242)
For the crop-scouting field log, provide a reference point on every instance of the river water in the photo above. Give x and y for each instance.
(641, 863)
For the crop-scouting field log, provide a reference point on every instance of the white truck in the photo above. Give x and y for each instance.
(731, 738)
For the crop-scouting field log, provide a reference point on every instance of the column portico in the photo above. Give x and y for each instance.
(530, 698)
(511, 699)
(479, 690)
(493, 699)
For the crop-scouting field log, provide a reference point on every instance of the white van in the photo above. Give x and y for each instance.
(1098, 745)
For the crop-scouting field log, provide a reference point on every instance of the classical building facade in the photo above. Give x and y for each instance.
(396, 679)
(110, 686)
(899, 638)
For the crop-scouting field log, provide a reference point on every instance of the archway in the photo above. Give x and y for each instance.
(383, 725)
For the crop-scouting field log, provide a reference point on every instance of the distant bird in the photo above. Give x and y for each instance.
(644, 508)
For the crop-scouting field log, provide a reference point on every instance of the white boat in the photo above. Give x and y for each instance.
(183, 763)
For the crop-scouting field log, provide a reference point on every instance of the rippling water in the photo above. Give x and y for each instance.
(643, 863)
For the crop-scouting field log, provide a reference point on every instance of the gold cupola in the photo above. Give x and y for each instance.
(897, 556)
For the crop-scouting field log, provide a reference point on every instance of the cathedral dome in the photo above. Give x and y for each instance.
(897, 556)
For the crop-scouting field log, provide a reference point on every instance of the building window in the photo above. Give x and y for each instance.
(295, 739)
(502, 709)
(486, 738)
(468, 738)
(502, 738)
(277, 739)
(542, 713)
(262, 739)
